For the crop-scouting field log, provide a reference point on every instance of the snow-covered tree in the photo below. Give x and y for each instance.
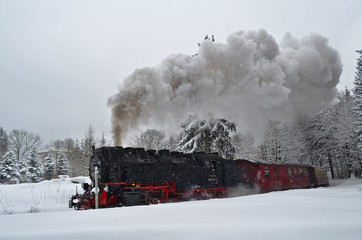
(244, 146)
(211, 135)
(221, 134)
(270, 150)
(283, 142)
(103, 141)
(322, 140)
(172, 142)
(357, 104)
(87, 143)
(49, 167)
(72, 151)
(149, 139)
(75, 157)
(196, 135)
(22, 143)
(25, 175)
(294, 145)
(35, 167)
(90, 140)
(346, 146)
(4, 142)
(63, 165)
(9, 172)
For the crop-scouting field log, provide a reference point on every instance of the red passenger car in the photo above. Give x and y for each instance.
(273, 177)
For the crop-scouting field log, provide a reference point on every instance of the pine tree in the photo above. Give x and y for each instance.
(212, 135)
(221, 134)
(25, 175)
(35, 167)
(49, 167)
(357, 103)
(196, 135)
(4, 142)
(103, 141)
(9, 172)
(63, 165)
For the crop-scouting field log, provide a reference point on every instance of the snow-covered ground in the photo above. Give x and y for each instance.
(323, 213)
(39, 197)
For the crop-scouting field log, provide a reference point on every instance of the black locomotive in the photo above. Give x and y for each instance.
(133, 176)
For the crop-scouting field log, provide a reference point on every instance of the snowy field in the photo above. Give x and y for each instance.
(323, 213)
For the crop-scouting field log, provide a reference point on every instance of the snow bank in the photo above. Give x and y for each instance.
(322, 213)
(39, 197)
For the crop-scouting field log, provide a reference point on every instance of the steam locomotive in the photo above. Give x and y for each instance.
(135, 176)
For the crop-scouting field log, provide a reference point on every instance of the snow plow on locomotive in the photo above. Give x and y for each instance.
(134, 176)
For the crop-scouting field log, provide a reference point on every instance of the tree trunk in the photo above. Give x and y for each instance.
(330, 164)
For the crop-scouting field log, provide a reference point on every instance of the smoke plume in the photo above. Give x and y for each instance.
(250, 79)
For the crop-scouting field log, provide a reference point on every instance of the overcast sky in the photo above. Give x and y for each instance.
(61, 60)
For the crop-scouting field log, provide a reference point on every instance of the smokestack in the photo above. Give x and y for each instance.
(249, 79)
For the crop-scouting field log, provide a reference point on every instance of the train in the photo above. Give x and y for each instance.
(135, 176)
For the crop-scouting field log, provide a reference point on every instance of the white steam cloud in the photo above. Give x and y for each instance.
(250, 79)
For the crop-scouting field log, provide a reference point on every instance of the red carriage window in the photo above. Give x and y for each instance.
(290, 172)
(295, 172)
(276, 172)
(300, 172)
(306, 172)
(267, 173)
